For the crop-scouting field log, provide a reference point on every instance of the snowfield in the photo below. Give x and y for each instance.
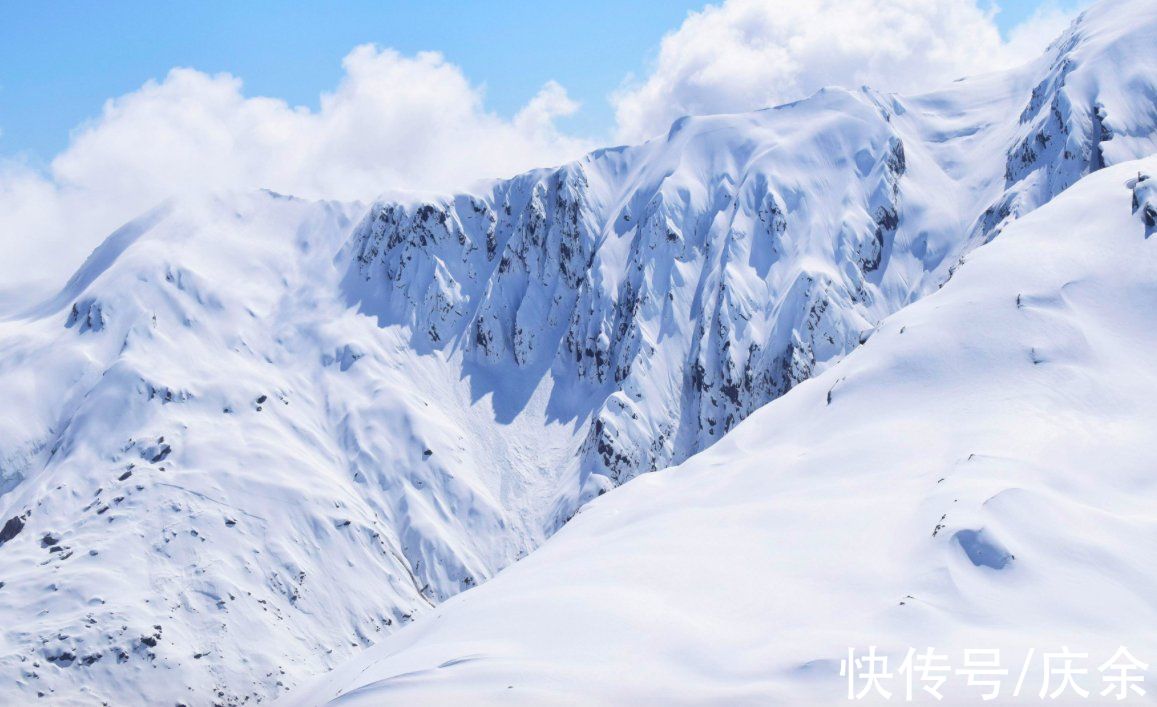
(978, 475)
(254, 435)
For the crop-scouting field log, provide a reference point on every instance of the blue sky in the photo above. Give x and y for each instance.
(60, 61)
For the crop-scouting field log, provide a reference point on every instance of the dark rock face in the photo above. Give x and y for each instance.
(1062, 138)
(11, 529)
(86, 316)
(1145, 202)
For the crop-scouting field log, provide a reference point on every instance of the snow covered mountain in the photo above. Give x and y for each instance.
(978, 475)
(254, 434)
(675, 287)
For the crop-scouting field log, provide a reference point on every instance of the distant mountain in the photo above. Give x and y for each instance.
(254, 434)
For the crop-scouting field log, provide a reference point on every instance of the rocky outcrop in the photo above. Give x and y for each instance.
(679, 309)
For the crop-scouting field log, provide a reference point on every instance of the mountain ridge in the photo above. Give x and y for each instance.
(989, 487)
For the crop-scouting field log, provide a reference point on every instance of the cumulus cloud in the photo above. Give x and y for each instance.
(393, 122)
(747, 54)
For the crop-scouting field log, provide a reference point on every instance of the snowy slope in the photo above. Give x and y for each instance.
(978, 475)
(254, 435)
(203, 444)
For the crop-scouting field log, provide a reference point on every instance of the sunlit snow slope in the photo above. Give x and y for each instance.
(254, 435)
(978, 475)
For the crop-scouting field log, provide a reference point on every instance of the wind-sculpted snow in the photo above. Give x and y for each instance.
(254, 434)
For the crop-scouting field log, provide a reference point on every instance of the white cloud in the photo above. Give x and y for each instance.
(393, 122)
(1028, 39)
(747, 54)
(416, 122)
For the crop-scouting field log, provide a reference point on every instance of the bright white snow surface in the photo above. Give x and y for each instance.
(1014, 409)
(255, 435)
